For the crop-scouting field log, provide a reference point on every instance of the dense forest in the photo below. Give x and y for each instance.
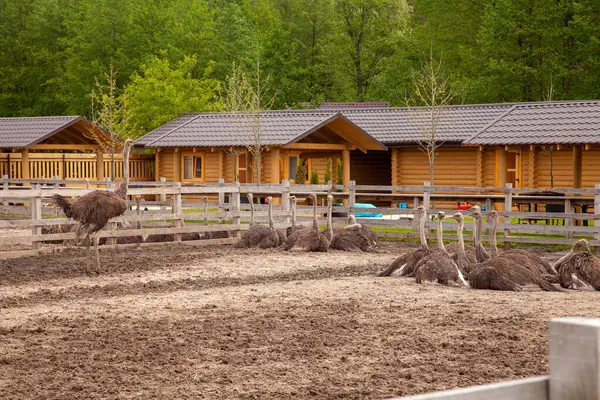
(173, 56)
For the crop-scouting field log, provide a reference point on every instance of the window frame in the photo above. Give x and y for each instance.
(247, 168)
(194, 154)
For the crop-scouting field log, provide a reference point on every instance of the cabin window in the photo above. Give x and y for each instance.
(242, 168)
(193, 167)
(292, 165)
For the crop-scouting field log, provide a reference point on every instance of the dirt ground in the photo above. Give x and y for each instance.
(181, 322)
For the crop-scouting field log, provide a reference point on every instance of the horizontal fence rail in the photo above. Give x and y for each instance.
(174, 204)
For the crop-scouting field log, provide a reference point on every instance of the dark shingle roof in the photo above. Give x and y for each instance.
(27, 131)
(573, 122)
(229, 129)
(407, 125)
(353, 105)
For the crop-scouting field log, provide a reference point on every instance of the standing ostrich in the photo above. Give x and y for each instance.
(309, 239)
(439, 266)
(344, 239)
(260, 236)
(95, 209)
(406, 264)
(579, 268)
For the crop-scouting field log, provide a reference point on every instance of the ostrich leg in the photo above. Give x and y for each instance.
(96, 240)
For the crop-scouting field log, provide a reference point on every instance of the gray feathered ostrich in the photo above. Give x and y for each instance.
(95, 209)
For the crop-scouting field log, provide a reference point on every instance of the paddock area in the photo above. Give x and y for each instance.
(185, 322)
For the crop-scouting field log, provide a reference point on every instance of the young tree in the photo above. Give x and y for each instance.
(549, 150)
(314, 177)
(109, 114)
(301, 172)
(328, 172)
(431, 88)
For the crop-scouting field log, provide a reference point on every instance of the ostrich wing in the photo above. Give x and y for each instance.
(94, 209)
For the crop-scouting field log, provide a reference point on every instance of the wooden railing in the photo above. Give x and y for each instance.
(169, 201)
(75, 166)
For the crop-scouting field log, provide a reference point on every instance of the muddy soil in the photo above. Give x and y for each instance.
(219, 323)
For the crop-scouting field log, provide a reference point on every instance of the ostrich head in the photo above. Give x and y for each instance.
(581, 246)
(458, 217)
(475, 212)
(493, 216)
(250, 197)
(313, 196)
(269, 200)
(441, 215)
(205, 199)
(128, 144)
(421, 211)
(329, 199)
(351, 219)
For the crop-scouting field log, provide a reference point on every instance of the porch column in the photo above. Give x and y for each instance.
(346, 170)
(176, 165)
(577, 166)
(275, 178)
(25, 164)
(99, 165)
(501, 169)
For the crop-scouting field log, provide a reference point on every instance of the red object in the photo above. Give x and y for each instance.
(465, 206)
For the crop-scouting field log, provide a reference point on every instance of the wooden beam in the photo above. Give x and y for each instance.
(176, 165)
(157, 165)
(502, 166)
(395, 174)
(532, 181)
(346, 167)
(320, 146)
(577, 166)
(99, 165)
(275, 155)
(221, 164)
(25, 164)
(64, 147)
(480, 167)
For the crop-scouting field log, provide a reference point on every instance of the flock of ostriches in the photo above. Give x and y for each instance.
(457, 264)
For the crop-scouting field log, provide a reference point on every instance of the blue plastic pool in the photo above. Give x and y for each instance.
(366, 215)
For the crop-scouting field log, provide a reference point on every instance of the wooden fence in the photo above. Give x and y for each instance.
(574, 369)
(177, 203)
(75, 166)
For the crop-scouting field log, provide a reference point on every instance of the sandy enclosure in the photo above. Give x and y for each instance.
(218, 323)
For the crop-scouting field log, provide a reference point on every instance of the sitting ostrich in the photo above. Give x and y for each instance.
(211, 235)
(504, 273)
(260, 236)
(295, 227)
(95, 209)
(463, 259)
(310, 239)
(366, 230)
(579, 268)
(406, 264)
(344, 239)
(439, 266)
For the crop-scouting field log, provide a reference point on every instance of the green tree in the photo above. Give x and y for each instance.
(371, 29)
(163, 91)
(314, 177)
(328, 172)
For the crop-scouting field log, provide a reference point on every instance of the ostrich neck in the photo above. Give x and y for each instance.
(440, 237)
(494, 249)
(251, 212)
(205, 211)
(422, 230)
(329, 218)
(315, 222)
(563, 259)
(122, 189)
(293, 214)
(460, 237)
(271, 225)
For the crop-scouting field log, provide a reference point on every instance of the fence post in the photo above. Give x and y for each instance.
(426, 195)
(352, 198)
(569, 221)
(235, 207)
(177, 211)
(507, 209)
(5, 187)
(36, 215)
(55, 186)
(597, 215)
(285, 198)
(163, 196)
(221, 199)
(489, 205)
(574, 357)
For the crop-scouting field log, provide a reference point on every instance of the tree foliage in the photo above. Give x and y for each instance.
(312, 50)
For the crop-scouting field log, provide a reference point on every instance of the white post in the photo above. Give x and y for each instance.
(221, 199)
(36, 215)
(163, 197)
(569, 221)
(177, 211)
(574, 358)
(285, 199)
(597, 215)
(5, 187)
(426, 195)
(56, 186)
(352, 198)
(507, 209)
(235, 207)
